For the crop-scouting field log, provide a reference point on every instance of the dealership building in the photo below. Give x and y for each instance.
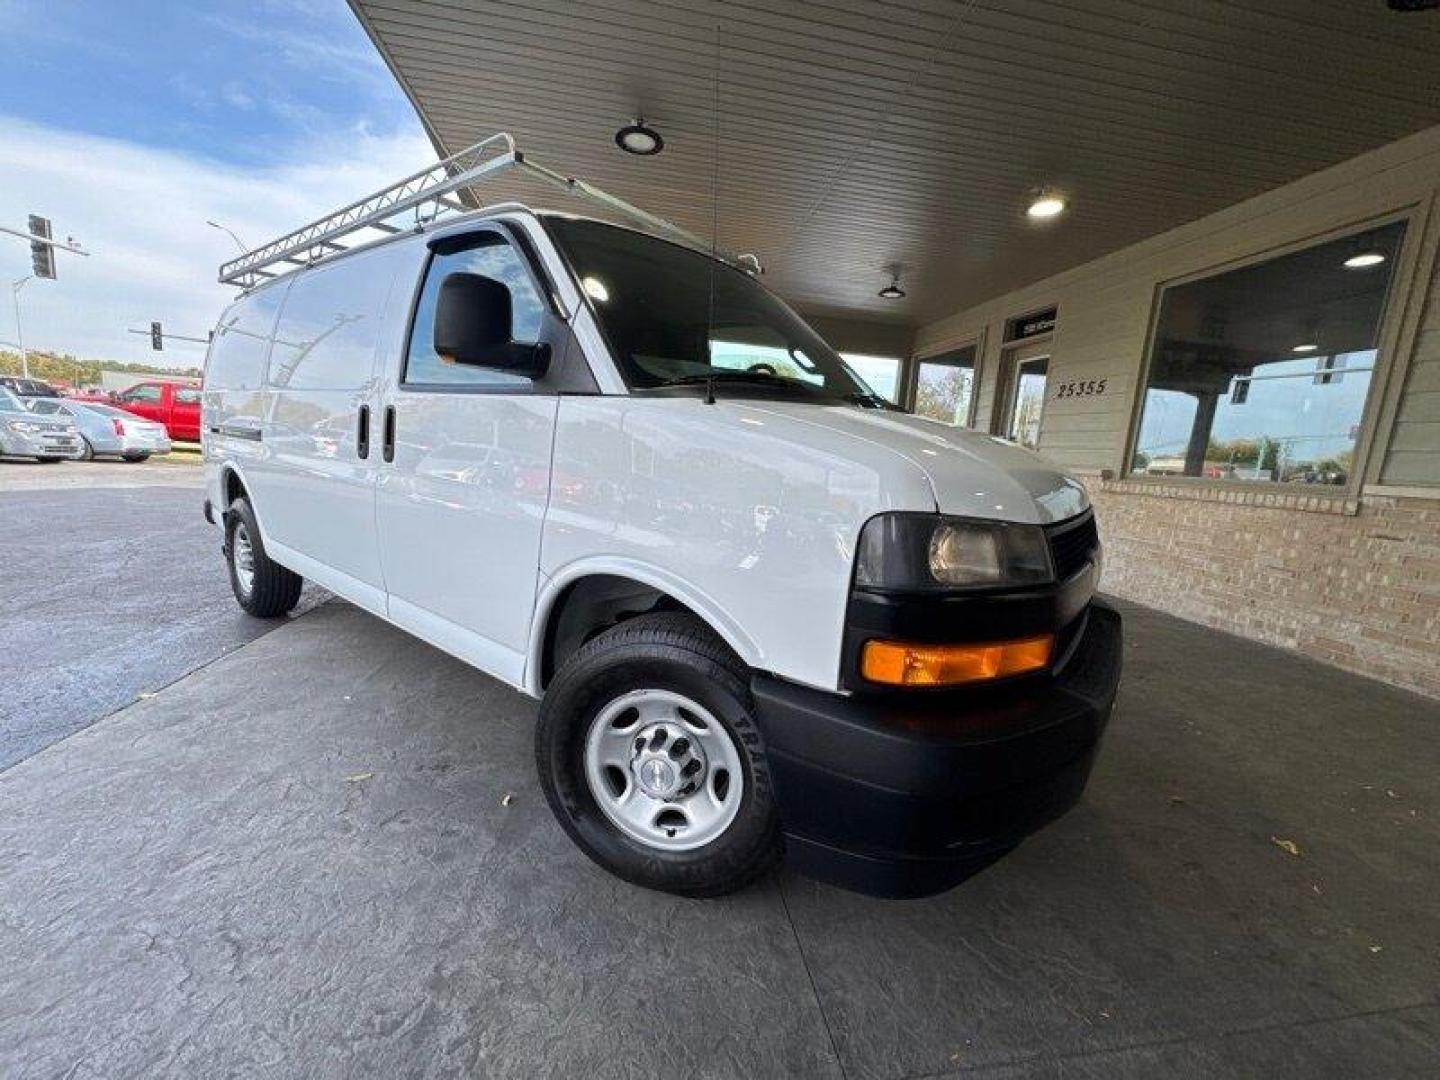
(1190, 256)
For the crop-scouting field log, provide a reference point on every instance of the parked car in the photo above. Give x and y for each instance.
(23, 434)
(106, 430)
(22, 387)
(175, 405)
(755, 600)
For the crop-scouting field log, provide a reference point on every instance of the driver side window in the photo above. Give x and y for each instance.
(493, 257)
(142, 393)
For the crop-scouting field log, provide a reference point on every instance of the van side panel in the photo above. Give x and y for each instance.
(317, 492)
(233, 401)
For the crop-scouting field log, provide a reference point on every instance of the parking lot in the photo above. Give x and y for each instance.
(318, 847)
(110, 590)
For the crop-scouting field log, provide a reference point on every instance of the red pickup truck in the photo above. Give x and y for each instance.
(176, 405)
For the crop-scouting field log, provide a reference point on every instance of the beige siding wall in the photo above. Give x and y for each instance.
(1105, 306)
(1414, 450)
(1351, 577)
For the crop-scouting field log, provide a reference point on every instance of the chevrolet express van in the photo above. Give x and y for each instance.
(765, 613)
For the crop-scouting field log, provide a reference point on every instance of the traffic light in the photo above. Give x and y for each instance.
(157, 337)
(42, 256)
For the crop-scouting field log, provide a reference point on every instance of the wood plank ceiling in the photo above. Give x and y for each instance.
(838, 138)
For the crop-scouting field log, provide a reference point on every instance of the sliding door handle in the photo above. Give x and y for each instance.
(387, 448)
(362, 434)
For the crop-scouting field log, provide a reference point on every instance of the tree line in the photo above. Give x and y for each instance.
(65, 368)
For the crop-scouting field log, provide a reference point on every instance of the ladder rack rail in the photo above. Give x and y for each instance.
(318, 238)
(433, 188)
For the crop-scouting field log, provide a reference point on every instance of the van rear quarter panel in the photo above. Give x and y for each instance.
(234, 386)
(754, 516)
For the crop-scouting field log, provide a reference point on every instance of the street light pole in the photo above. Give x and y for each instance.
(15, 288)
(238, 242)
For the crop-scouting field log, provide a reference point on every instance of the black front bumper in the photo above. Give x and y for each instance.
(907, 795)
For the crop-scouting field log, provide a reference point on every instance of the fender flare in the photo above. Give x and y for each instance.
(233, 467)
(704, 607)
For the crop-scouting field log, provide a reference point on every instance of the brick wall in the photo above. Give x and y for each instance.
(1353, 583)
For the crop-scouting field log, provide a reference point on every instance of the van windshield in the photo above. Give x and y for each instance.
(675, 317)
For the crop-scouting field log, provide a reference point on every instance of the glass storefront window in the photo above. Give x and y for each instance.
(1262, 373)
(945, 385)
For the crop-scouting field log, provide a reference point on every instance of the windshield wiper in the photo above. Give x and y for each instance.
(766, 377)
(872, 401)
(753, 378)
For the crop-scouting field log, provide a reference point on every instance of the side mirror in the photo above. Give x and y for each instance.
(473, 323)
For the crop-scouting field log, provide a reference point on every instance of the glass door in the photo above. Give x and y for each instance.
(1027, 397)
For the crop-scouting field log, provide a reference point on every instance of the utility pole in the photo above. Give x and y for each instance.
(15, 287)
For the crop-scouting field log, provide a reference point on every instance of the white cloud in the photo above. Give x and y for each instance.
(142, 211)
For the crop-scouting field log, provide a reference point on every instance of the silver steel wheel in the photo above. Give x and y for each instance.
(663, 770)
(242, 552)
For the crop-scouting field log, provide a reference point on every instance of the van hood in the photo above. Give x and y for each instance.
(973, 475)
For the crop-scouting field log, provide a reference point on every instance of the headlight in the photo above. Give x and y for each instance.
(24, 425)
(927, 551)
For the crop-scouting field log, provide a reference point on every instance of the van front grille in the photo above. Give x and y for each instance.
(1072, 544)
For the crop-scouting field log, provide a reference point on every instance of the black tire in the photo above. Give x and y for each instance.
(88, 453)
(273, 590)
(49, 460)
(672, 652)
(135, 457)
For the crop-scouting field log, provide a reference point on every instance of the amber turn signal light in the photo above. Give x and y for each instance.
(898, 664)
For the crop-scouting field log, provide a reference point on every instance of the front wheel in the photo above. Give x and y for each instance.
(650, 759)
(262, 586)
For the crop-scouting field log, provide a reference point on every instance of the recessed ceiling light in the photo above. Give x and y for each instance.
(892, 291)
(1046, 205)
(1364, 259)
(639, 139)
(1306, 346)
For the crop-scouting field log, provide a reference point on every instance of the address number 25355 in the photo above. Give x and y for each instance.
(1080, 388)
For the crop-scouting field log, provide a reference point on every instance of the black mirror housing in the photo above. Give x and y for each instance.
(473, 325)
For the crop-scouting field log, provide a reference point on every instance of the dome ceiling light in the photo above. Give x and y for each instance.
(1045, 205)
(639, 139)
(1363, 259)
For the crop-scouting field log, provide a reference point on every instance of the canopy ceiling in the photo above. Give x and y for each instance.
(837, 139)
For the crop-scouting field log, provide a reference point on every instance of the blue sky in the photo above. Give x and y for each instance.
(131, 123)
(230, 81)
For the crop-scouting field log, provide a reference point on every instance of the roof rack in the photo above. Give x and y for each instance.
(429, 194)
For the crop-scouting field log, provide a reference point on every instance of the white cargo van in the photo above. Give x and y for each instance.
(763, 610)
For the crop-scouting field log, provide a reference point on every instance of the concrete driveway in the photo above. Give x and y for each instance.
(298, 861)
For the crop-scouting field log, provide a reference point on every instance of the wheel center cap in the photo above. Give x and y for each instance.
(657, 777)
(667, 764)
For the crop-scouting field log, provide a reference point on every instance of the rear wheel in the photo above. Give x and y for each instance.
(135, 457)
(87, 452)
(262, 586)
(650, 759)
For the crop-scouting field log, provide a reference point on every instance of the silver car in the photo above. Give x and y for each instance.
(27, 434)
(106, 430)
